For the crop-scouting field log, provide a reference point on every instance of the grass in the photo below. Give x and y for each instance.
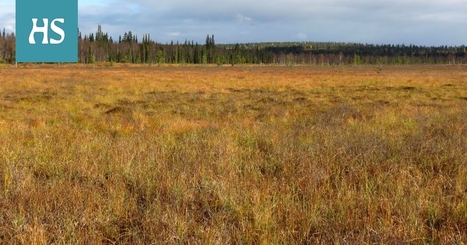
(233, 155)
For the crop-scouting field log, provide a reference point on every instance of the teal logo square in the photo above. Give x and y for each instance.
(47, 30)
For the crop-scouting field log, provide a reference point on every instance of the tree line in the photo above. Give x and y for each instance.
(100, 47)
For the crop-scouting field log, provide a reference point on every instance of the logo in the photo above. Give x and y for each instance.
(46, 30)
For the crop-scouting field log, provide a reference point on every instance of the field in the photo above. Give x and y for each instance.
(233, 155)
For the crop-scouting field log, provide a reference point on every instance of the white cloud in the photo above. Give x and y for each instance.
(422, 22)
(242, 18)
(7, 16)
(174, 34)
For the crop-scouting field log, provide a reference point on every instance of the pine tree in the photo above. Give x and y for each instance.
(99, 33)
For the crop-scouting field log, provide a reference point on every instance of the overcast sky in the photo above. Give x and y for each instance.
(420, 22)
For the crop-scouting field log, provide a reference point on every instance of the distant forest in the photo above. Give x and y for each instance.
(100, 47)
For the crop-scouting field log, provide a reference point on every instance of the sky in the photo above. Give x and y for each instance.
(418, 22)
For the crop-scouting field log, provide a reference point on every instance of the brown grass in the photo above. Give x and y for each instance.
(233, 155)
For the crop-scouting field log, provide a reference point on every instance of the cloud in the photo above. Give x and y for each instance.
(384, 21)
(7, 16)
(242, 18)
(421, 22)
(174, 34)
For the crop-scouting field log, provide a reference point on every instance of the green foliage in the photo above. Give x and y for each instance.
(357, 60)
(160, 58)
(219, 61)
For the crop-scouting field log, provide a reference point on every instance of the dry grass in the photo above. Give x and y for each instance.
(233, 155)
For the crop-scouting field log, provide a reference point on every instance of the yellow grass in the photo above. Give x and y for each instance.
(233, 155)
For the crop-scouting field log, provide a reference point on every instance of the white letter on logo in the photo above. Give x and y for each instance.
(43, 29)
(57, 30)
